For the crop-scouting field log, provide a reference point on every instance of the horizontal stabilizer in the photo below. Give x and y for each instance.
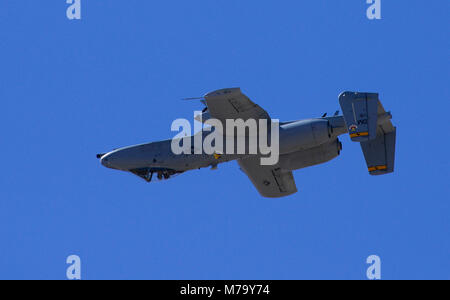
(380, 153)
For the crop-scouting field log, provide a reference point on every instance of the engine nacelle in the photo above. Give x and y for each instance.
(304, 134)
(311, 157)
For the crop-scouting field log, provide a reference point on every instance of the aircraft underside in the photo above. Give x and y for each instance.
(300, 143)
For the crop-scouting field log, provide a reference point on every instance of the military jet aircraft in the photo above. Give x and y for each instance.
(302, 143)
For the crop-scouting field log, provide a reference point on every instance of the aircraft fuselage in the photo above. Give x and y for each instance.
(302, 143)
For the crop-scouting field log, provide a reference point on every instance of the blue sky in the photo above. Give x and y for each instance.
(71, 89)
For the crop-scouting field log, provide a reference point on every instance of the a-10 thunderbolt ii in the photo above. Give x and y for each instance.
(300, 143)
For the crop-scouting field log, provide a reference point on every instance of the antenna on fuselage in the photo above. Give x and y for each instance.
(194, 98)
(202, 100)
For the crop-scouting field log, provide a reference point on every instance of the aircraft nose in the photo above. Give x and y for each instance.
(111, 160)
(105, 160)
(117, 159)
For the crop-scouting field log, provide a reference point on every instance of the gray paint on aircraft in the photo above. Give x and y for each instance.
(303, 143)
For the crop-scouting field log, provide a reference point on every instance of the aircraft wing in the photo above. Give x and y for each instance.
(270, 181)
(233, 104)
